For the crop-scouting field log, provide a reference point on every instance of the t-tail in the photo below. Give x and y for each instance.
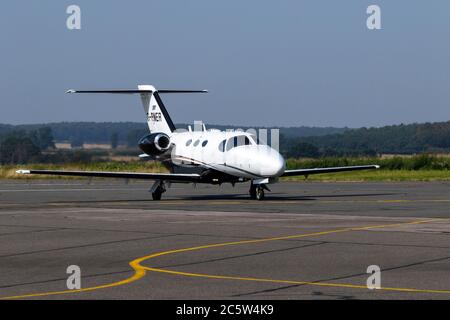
(158, 119)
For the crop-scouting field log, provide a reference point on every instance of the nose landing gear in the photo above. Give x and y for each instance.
(257, 191)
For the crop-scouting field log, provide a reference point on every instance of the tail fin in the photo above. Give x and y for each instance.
(158, 118)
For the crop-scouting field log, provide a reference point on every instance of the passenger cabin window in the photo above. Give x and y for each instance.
(238, 141)
(196, 143)
(204, 143)
(188, 142)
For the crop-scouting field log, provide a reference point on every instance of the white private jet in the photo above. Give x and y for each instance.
(206, 156)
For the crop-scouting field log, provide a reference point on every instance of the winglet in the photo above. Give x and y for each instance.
(23, 171)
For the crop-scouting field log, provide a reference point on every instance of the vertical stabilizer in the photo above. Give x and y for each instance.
(158, 118)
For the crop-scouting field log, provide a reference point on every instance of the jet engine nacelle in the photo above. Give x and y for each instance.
(155, 144)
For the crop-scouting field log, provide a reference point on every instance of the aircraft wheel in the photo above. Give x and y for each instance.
(252, 191)
(259, 193)
(157, 194)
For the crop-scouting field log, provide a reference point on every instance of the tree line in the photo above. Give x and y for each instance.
(130, 132)
(396, 139)
(36, 143)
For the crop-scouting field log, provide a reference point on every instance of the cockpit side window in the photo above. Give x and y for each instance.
(238, 141)
(256, 140)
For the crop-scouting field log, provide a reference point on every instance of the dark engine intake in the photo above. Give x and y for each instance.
(154, 143)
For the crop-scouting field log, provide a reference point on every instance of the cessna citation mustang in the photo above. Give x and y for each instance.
(206, 156)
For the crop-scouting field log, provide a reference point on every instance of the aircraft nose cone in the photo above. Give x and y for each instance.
(274, 164)
(278, 165)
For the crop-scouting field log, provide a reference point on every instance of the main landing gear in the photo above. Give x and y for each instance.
(257, 191)
(157, 190)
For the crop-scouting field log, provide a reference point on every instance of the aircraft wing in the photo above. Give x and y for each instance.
(306, 172)
(185, 177)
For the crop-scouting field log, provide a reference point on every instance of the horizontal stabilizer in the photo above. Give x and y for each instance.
(182, 91)
(109, 91)
(133, 91)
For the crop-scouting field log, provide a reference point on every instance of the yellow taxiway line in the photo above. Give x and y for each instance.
(140, 270)
(323, 284)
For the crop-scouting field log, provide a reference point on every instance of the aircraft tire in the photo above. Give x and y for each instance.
(157, 194)
(259, 193)
(252, 191)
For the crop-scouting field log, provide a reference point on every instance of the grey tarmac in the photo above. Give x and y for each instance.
(306, 240)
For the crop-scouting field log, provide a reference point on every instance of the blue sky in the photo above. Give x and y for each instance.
(284, 63)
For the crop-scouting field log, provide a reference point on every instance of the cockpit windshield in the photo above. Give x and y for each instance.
(256, 140)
